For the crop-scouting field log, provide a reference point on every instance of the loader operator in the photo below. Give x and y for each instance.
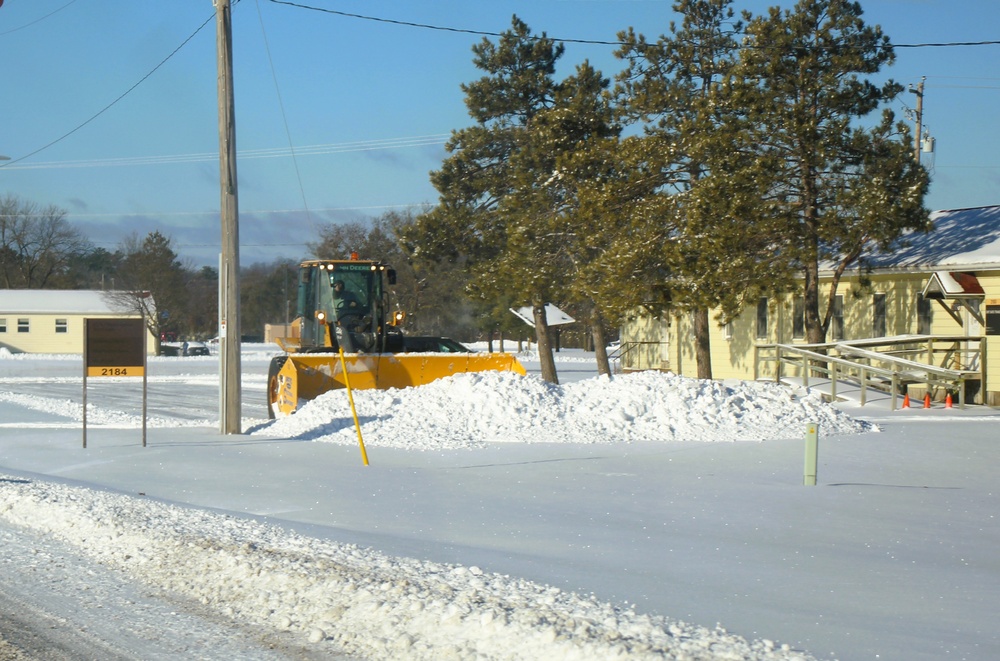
(349, 314)
(344, 302)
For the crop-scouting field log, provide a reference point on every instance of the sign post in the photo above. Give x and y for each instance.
(114, 348)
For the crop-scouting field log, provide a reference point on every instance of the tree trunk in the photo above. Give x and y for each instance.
(815, 333)
(544, 345)
(702, 344)
(600, 344)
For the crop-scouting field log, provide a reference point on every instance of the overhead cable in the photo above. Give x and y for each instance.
(243, 154)
(103, 110)
(37, 20)
(485, 33)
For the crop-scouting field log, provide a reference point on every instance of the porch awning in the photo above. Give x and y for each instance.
(962, 288)
(949, 284)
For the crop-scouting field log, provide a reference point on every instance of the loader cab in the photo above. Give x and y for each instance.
(342, 303)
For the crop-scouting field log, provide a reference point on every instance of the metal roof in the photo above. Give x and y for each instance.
(56, 301)
(962, 240)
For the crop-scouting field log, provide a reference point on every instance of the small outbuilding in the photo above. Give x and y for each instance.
(51, 320)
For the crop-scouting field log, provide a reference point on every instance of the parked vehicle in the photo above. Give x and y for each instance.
(183, 349)
(422, 343)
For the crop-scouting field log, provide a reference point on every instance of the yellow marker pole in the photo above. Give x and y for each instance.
(354, 412)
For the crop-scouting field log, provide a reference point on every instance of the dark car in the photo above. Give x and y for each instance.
(195, 349)
(183, 349)
(433, 345)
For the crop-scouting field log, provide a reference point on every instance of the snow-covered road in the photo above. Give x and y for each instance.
(557, 525)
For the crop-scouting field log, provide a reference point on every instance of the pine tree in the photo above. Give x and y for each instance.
(151, 281)
(495, 209)
(704, 240)
(837, 187)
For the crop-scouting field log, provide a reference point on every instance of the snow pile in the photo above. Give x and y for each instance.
(470, 410)
(340, 597)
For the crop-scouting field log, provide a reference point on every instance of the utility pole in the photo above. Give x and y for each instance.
(919, 91)
(230, 408)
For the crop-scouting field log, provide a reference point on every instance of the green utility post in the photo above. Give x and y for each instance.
(812, 454)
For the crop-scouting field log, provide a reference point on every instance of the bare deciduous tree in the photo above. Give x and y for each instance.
(37, 244)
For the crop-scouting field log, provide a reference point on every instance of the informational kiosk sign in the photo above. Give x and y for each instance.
(114, 348)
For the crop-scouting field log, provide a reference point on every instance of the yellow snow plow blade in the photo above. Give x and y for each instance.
(305, 376)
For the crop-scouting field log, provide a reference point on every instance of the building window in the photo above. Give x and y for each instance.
(727, 330)
(837, 320)
(762, 319)
(61, 326)
(923, 315)
(878, 315)
(3, 325)
(23, 325)
(798, 318)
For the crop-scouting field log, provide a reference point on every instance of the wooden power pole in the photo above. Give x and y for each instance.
(230, 408)
(919, 91)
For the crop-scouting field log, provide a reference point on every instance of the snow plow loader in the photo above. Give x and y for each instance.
(343, 320)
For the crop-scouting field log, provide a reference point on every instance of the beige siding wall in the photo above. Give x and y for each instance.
(733, 348)
(649, 346)
(991, 285)
(42, 335)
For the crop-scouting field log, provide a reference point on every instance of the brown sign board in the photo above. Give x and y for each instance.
(992, 319)
(114, 347)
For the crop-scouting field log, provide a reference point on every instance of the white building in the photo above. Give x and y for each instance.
(52, 320)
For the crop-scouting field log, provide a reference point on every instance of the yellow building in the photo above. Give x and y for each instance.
(934, 301)
(51, 320)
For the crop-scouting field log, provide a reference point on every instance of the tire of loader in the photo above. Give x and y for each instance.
(272, 384)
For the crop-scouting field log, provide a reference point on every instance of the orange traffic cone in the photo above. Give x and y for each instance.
(947, 401)
(906, 401)
(927, 400)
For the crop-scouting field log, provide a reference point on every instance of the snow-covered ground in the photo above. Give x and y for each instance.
(643, 516)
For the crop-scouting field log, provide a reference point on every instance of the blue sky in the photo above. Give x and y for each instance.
(365, 105)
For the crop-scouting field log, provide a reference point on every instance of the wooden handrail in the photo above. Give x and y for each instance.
(895, 370)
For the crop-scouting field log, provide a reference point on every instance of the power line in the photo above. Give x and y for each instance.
(37, 20)
(276, 152)
(427, 26)
(109, 106)
(71, 214)
(598, 42)
(284, 117)
(948, 44)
